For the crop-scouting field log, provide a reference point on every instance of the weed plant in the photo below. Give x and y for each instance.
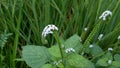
(87, 34)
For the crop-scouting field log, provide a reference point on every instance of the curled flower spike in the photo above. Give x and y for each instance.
(110, 49)
(100, 36)
(105, 14)
(119, 37)
(69, 50)
(49, 30)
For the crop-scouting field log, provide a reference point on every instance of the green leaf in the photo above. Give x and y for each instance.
(69, 66)
(3, 38)
(35, 56)
(95, 50)
(60, 65)
(47, 66)
(55, 51)
(73, 42)
(108, 55)
(117, 57)
(102, 62)
(2, 57)
(79, 61)
(115, 64)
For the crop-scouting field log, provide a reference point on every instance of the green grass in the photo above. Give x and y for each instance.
(26, 19)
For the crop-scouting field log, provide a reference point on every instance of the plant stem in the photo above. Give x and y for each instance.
(60, 46)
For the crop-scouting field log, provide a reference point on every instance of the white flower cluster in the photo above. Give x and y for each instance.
(109, 61)
(80, 39)
(105, 14)
(57, 62)
(110, 49)
(91, 46)
(119, 37)
(69, 50)
(49, 30)
(85, 29)
(100, 36)
(60, 61)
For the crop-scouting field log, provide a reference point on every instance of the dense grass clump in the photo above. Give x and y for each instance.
(85, 33)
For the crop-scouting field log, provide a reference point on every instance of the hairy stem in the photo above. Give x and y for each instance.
(60, 46)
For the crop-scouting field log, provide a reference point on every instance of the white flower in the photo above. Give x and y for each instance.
(69, 50)
(85, 29)
(110, 49)
(119, 37)
(91, 46)
(109, 61)
(80, 39)
(105, 14)
(55, 63)
(82, 53)
(49, 30)
(63, 46)
(60, 61)
(100, 36)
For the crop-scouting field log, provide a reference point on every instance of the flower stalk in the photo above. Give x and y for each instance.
(55, 34)
(52, 29)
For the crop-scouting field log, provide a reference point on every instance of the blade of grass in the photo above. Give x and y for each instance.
(16, 41)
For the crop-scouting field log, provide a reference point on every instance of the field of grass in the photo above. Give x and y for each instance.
(94, 41)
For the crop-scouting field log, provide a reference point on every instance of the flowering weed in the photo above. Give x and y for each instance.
(60, 34)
